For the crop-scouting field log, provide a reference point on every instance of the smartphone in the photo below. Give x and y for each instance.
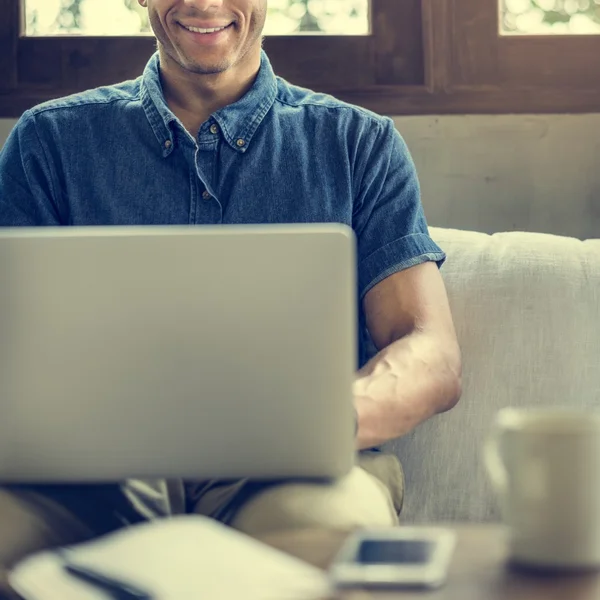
(401, 557)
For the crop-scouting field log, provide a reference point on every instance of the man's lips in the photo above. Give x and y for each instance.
(207, 36)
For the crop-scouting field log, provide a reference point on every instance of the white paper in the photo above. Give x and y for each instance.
(181, 558)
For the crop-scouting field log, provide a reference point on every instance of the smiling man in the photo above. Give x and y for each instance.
(208, 134)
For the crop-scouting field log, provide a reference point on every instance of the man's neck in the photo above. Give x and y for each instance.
(193, 97)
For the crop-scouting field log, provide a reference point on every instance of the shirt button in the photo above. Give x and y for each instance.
(214, 128)
(241, 143)
(206, 195)
(168, 144)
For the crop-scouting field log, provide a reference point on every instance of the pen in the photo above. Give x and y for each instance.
(118, 590)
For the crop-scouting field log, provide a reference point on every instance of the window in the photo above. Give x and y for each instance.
(525, 55)
(391, 56)
(550, 17)
(383, 46)
(127, 17)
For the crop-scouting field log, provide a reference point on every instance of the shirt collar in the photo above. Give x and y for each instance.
(238, 121)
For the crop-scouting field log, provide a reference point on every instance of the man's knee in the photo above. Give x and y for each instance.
(357, 500)
(29, 522)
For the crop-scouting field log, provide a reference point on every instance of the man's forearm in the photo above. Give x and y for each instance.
(406, 383)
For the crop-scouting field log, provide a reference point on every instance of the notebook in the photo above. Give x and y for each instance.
(181, 558)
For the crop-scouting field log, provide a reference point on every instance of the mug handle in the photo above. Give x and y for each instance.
(494, 463)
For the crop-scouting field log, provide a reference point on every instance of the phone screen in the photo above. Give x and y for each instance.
(404, 552)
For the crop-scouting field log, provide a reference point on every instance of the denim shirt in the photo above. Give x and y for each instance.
(281, 154)
(117, 155)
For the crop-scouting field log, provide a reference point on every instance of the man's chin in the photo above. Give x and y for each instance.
(207, 68)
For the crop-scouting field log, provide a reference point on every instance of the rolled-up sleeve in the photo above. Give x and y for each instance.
(389, 222)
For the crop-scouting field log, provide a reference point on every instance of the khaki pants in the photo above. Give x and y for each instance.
(35, 518)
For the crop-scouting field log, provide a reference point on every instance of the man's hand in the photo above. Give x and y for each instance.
(417, 372)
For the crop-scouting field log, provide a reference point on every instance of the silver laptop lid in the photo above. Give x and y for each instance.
(199, 352)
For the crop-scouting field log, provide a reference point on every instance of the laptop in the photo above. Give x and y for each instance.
(194, 352)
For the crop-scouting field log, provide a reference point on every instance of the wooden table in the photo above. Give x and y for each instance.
(479, 570)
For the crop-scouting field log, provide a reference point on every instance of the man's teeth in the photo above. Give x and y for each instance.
(200, 30)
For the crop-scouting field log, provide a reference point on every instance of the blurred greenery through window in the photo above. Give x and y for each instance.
(543, 17)
(127, 17)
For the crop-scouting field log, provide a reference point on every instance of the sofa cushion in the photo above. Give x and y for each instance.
(527, 312)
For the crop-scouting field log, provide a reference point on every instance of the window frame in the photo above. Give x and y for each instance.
(490, 68)
(422, 57)
(41, 68)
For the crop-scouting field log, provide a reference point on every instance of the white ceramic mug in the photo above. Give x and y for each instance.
(544, 464)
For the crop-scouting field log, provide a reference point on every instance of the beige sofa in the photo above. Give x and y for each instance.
(527, 312)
